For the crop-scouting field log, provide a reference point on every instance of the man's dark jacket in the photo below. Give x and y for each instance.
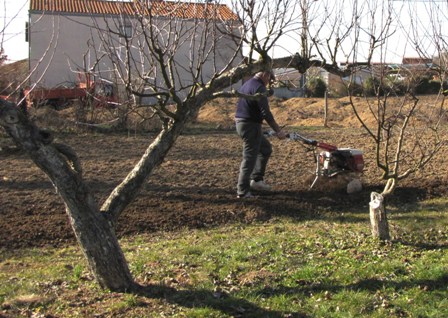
(253, 110)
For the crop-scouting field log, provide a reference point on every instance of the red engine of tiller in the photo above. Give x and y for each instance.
(333, 160)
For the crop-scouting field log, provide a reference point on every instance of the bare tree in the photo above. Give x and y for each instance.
(406, 132)
(175, 100)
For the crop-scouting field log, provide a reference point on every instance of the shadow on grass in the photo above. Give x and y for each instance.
(234, 307)
(370, 285)
(424, 245)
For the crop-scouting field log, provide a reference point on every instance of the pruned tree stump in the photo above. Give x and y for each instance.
(378, 217)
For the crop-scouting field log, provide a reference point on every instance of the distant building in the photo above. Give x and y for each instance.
(416, 61)
(289, 83)
(68, 37)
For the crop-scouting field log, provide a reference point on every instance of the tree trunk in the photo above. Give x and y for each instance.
(378, 217)
(99, 244)
(92, 228)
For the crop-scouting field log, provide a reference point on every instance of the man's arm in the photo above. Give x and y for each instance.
(269, 118)
(263, 104)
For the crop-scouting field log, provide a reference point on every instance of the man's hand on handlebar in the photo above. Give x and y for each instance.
(281, 135)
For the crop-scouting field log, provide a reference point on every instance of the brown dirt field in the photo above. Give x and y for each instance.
(195, 186)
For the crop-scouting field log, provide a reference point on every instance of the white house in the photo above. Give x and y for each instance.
(290, 83)
(69, 37)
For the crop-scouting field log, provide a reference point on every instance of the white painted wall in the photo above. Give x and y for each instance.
(61, 45)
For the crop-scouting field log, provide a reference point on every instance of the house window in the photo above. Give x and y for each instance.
(126, 30)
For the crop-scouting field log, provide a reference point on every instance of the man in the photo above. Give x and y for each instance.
(250, 113)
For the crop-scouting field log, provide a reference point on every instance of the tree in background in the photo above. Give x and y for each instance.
(3, 56)
(316, 87)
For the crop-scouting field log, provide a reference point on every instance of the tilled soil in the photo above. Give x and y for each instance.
(194, 187)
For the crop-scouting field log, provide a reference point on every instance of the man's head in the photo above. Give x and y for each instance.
(266, 76)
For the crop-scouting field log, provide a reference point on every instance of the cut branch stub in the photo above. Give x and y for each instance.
(9, 114)
(10, 118)
(390, 187)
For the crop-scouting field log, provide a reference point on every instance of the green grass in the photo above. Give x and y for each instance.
(329, 267)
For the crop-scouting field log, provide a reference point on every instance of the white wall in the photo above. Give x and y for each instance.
(61, 45)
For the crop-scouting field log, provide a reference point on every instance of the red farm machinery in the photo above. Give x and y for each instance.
(99, 93)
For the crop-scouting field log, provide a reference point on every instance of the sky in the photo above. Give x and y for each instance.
(14, 14)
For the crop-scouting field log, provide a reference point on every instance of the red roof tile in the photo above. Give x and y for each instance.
(186, 10)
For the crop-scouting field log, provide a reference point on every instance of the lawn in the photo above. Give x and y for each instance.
(327, 267)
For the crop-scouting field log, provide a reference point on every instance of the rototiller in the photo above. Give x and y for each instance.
(334, 161)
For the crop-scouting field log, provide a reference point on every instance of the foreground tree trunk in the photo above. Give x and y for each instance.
(93, 230)
(100, 246)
